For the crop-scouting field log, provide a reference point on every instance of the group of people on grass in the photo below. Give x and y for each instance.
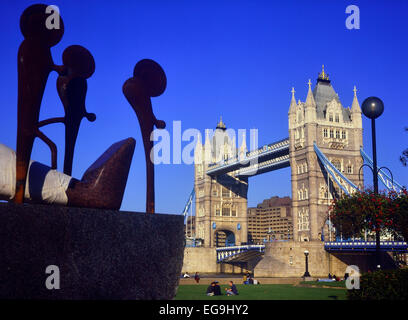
(196, 276)
(214, 289)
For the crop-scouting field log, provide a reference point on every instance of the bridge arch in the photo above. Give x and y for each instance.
(224, 237)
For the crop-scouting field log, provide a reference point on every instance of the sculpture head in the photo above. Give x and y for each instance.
(151, 74)
(79, 61)
(33, 25)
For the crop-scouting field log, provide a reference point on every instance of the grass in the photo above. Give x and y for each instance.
(334, 284)
(262, 292)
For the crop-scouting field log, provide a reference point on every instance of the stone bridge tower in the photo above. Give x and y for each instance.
(221, 201)
(337, 132)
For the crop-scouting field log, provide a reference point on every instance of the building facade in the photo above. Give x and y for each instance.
(270, 220)
(337, 131)
(221, 201)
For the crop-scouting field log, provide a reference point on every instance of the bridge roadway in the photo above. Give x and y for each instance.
(247, 252)
(267, 158)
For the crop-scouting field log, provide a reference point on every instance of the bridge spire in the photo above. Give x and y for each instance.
(198, 152)
(356, 111)
(355, 107)
(221, 125)
(310, 99)
(292, 107)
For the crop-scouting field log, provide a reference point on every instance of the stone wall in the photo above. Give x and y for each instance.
(287, 259)
(100, 254)
(199, 259)
(204, 260)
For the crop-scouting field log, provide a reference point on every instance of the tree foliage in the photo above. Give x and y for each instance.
(354, 214)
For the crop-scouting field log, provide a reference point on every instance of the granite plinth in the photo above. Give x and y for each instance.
(101, 254)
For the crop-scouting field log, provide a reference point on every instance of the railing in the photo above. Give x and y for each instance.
(269, 163)
(224, 253)
(270, 148)
(399, 246)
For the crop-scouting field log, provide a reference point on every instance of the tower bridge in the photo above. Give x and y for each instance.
(324, 151)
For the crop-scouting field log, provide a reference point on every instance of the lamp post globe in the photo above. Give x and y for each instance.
(372, 107)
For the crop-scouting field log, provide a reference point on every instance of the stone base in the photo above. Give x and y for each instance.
(307, 279)
(101, 254)
(287, 259)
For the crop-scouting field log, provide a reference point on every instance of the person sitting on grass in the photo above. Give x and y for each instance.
(232, 290)
(217, 289)
(245, 279)
(210, 289)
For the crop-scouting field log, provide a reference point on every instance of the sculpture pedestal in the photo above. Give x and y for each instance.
(101, 254)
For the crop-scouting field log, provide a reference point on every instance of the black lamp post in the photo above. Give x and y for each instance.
(372, 108)
(307, 274)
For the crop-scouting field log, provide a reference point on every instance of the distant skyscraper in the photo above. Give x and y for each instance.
(271, 220)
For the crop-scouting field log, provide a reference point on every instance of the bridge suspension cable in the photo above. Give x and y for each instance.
(189, 203)
(388, 181)
(333, 171)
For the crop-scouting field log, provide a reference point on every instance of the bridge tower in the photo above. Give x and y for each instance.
(221, 201)
(337, 131)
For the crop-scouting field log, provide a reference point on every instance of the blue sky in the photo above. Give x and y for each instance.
(238, 59)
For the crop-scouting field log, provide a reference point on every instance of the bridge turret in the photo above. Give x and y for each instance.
(198, 151)
(310, 105)
(292, 109)
(356, 111)
(337, 131)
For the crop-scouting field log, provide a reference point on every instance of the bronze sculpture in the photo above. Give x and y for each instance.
(101, 186)
(34, 65)
(72, 87)
(149, 80)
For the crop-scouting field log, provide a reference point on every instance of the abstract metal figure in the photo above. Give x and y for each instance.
(102, 185)
(149, 80)
(34, 65)
(72, 87)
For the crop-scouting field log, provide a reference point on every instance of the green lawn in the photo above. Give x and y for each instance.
(334, 284)
(262, 292)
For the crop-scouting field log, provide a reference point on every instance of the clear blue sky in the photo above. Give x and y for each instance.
(238, 59)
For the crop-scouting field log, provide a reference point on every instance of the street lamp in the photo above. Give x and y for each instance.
(372, 108)
(307, 274)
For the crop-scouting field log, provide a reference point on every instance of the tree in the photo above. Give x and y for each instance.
(404, 156)
(354, 214)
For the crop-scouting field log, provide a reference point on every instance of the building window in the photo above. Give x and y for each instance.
(226, 212)
(325, 133)
(225, 193)
(349, 169)
(233, 212)
(337, 164)
(303, 220)
(337, 134)
(200, 171)
(331, 117)
(215, 192)
(217, 211)
(331, 133)
(337, 117)
(343, 134)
